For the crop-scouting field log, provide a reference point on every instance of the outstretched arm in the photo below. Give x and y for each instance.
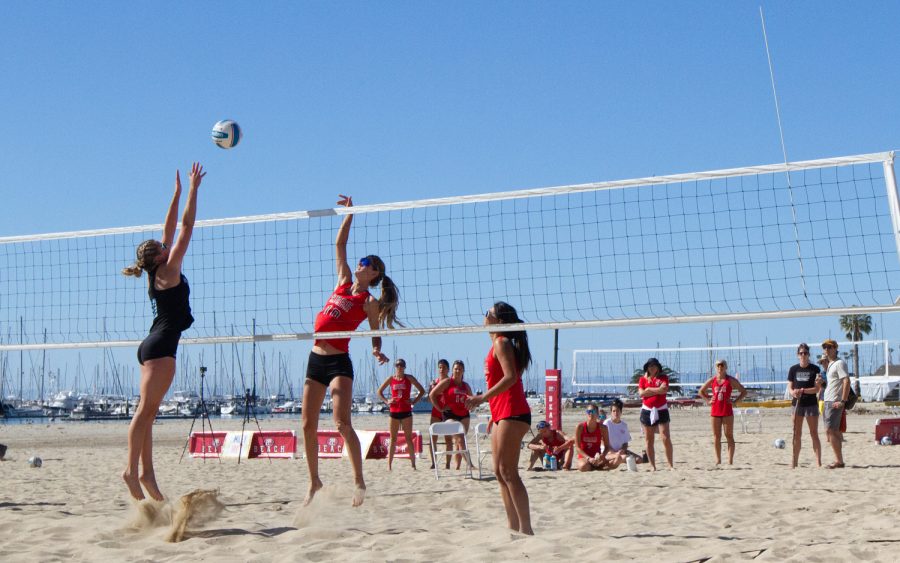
(176, 255)
(172, 214)
(344, 274)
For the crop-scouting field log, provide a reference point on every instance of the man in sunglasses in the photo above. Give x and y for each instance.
(836, 393)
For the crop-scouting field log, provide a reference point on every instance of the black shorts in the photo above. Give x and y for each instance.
(663, 417)
(526, 418)
(323, 369)
(448, 415)
(161, 344)
(401, 415)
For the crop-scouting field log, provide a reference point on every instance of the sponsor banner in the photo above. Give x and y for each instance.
(889, 427)
(553, 398)
(274, 444)
(331, 443)
(206, 444)
(373, 443)
(382, 442)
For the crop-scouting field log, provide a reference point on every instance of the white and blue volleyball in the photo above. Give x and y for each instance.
(226, 134)
(779, 443)
(886, 441)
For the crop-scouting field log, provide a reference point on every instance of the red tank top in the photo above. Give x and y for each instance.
(555, 441)
(437, 410)
(591, 442)
(400, 391)
(510, 402)
(454, 398)
(343, 311)
(720, 403)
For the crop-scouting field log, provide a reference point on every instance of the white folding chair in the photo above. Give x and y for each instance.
(443, 430)
(749, 419)
(482, 444)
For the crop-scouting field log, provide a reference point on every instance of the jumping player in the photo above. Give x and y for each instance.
(401, 405)
(329, 364)
(507, 359)
(452, 392)
(170, 296)
(721, 411)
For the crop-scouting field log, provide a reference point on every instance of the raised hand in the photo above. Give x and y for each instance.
(345, 201)
(197, 175)
(177, 183)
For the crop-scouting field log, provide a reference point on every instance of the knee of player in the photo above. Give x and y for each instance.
(343, 426)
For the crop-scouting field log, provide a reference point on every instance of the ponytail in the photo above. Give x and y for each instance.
(145, 259)
(507, 314)
(388, 303)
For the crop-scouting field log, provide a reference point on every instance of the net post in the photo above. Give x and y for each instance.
(552, 398)
(890, 182)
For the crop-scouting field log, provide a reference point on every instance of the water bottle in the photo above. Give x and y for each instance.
(553, 463)
(547, 458)
(632, 464)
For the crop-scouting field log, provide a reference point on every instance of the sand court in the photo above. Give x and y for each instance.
(76, 506)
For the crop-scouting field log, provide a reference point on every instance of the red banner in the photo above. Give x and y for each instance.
(331, 445)
(206, 444)
(553, 398)
(273, 443)
(889, 427)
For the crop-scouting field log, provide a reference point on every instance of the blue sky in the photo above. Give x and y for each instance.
(396, 101)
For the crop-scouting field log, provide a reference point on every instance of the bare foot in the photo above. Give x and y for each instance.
(314, 487)
(134, 485)
(148, 480)
(359, 495)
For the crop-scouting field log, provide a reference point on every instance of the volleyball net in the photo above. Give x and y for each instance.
(804, 238)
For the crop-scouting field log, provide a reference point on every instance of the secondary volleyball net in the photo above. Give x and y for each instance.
(762, 368)
(802, 238)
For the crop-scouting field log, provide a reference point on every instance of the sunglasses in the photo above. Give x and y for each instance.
(489, 314)
(590, 411)
(365, 262)
(803, 353)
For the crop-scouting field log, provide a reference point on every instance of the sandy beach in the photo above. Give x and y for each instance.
(76, 507)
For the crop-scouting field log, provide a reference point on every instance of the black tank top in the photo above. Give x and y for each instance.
(171, 306)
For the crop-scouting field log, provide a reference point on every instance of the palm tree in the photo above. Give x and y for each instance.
(670, 373)
(854, 326)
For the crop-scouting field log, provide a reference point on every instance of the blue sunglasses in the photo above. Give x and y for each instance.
(365, 262)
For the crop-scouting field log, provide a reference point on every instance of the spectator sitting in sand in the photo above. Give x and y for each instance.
(619, 436)
(553, 442)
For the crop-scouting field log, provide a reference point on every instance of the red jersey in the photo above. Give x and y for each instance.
(554, 442)
(343, 311)
(657, 401)
(400, 392)
(454, 398)
(591, 442)
(512, 401)
(437, 410)
(720, 402)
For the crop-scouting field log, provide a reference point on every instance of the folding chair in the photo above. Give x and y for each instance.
(442, 430)
(482, 441)
(749, 418)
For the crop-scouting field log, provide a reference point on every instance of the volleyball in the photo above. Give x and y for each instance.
(886, 441)
(226, 134)
(779, 443)
(35, 461)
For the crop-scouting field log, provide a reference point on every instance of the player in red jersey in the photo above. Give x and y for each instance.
(721, 411)
(437, 408)
(652, 388)
(452, 393)
(507, 359)
(591, 439)
(401, 406)
(329, 365)
(552, 442)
